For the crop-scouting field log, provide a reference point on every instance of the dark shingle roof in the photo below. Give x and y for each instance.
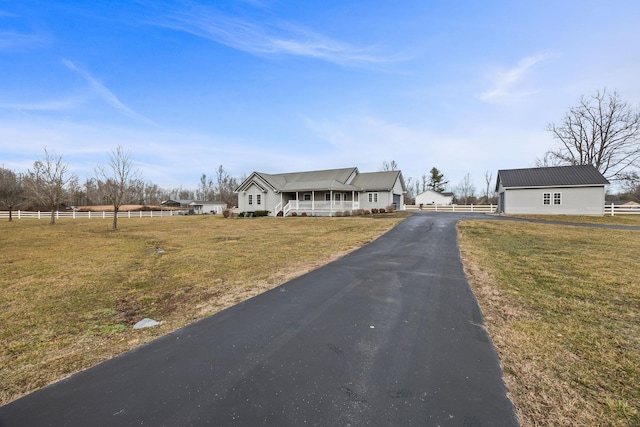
(551, 177)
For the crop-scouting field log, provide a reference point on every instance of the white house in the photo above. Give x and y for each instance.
(430, 197)
(560, 190)
(321, 193)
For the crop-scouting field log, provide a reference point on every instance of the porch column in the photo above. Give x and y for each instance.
(353, 200)
(313, 202)
(330, 202)
(297, 202)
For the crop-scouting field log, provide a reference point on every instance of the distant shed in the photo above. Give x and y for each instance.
(560, 190)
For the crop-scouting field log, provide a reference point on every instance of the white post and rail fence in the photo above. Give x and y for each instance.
(609, 209)
(18, 214)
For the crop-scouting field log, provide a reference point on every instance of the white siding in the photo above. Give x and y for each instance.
(574, 201)
(430, 197)
(267, 199)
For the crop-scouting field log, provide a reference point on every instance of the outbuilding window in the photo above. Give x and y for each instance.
(258, 199)
(546, 199)
(557, 198)
(373, 197)
(251, 199)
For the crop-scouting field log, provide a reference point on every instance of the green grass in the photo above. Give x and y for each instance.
(70, 292)
(562, 305)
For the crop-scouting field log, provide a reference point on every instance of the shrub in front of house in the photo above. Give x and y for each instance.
(375, 210)
(337, 213)
(294, 213)
(304, 214)
(391, 208)
(381, 210)
(226, 213)
(346, 213)
(241, 215)
(261, 213)
(367, 212)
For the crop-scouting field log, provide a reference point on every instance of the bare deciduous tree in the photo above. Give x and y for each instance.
(603, 131)
(488, 178)
(409, 184)
(206, 191)
(11, 190)
(47, 181)
(226, 186)
(389, 166)
(118, 179)
(465, 190)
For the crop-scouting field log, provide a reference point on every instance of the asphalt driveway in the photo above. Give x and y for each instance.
(390, 335)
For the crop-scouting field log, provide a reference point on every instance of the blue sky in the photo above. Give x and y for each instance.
(283, 86)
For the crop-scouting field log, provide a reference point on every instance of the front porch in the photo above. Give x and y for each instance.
(316, 203)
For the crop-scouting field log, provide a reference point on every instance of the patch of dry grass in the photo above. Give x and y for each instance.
(633, 220)
(70, 292)
(562, 305)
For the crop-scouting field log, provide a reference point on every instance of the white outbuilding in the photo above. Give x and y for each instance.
(560, 190)
(430, 197)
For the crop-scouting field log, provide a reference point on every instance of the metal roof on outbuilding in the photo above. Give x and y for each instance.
(558, 176)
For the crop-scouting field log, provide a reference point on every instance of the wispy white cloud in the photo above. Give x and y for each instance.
(508, 84)
(282, 38)
(105, 94)
(51, 105)
(10, 40)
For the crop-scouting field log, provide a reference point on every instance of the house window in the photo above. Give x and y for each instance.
(250, 199)
(546, 199)
(306, 196)
(557, 198)
(327, 197)
(373, 197)
(258, 199)
(337, 197)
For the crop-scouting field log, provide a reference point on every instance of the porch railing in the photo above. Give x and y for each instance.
(318, 207)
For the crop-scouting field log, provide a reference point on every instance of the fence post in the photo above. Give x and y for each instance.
(612, 209)
(471, 207)
(128, 214)
(38, 214)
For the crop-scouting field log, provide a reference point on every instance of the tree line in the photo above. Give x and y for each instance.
(50, 186)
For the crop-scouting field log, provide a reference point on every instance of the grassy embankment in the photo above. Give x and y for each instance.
(562, 305)
(70, 292)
